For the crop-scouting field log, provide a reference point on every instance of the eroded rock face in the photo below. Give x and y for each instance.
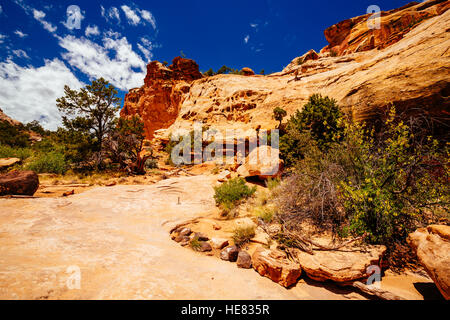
(19, 183)
(432, 246)
(341, 266)
(158, 101)
(275, 266)
(410, 72)
(355, 35)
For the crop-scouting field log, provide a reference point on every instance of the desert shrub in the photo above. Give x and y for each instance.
(266, 213)
(195, 244)
(320, 120)
(279, 114)
(382, 184)
(232, 191)
(394, 187)
(53, 162)
(7, 151)
(272, 183)
(13, 135)
(151, 164)
(243, 235)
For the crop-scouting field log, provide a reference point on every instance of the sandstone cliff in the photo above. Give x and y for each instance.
(411, 72)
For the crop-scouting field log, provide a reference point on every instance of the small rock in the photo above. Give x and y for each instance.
(229, 254)
(244, 260)
(111, 184)
(218, 243)
(185, 232)
(217, 227)
(69, 193)
(201, 237)
(224, 176)
(182, 239)
(205, 247)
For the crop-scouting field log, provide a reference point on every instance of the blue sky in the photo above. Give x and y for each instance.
(41, 50)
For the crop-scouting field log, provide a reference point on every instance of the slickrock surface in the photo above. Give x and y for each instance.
(119, 238)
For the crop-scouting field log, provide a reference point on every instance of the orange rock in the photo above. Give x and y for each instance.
(158, 101)
(354, 35)
(275, 266)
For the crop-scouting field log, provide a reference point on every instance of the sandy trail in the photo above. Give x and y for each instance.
(119, 239)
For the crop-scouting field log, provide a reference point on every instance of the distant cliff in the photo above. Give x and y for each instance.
(407, 63)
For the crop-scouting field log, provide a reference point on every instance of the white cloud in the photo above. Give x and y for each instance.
(2, 38)
(247, 37)
(112, 14)
(148, 16)
(254, 25)
(28, 93)
(21, 54)
(74, 17)
(125, 70)
(132, 17)
(39, 16)
(92, 31)
(1, 9)
(20, 34)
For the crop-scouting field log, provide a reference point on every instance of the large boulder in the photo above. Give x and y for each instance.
(263, 162)
(275, 266)
(244, 260)
(247, 72)
(432, 246)
(343, 266)
(19, 183)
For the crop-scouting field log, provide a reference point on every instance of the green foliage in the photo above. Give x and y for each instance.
(392, 187)
(13, 135)
(53, 162)
(243, 235)
(272, 183)
(182, 54)
(209, 73)
(262, 72)
(266, 213)
(232, 191)
(279, 114)
(320, 120)
(90, 111)
(35, 126)
(7, 151)
(195, 244)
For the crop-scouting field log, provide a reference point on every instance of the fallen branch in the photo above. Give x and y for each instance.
(374, 291)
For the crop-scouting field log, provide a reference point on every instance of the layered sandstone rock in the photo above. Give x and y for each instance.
(343, 266)
(158, 101)
(432, 246)
(19, 183)
(275, 266)
(412, 72)
(360, 33)
(4, 117)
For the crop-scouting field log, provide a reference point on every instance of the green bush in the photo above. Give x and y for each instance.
(243, 235)
(14, 152)
(320, 119)
(232, 191)
(53, 162)
(13, 135)
(394, 187)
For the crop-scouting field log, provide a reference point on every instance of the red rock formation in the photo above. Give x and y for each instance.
(158, 101)
(354, 35)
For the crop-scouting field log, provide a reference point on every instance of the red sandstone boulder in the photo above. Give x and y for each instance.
(275, 266)
(19, 183)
